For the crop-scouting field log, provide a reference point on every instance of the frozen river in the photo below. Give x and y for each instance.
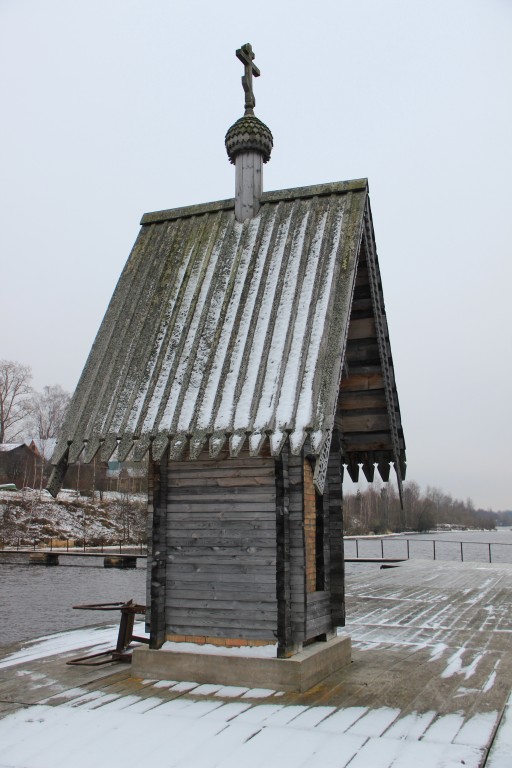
(35, 600)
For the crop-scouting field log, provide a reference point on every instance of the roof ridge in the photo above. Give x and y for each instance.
(294, 193)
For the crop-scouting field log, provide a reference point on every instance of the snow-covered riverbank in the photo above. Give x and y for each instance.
(30, 515)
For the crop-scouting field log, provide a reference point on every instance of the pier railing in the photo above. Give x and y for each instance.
(367, 548)
(433, 549)
(73, 545)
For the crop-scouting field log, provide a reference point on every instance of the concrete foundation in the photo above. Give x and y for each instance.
(298, 673)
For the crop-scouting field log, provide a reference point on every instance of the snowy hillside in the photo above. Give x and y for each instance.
(30, 515)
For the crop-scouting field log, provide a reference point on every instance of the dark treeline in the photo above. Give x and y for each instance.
(377, 510)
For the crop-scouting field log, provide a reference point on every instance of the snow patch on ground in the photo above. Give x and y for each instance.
(212, 734)
(500, 755)
(253, 651)
(455, 667)
(100, 638)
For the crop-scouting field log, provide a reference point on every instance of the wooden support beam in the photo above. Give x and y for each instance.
(157, 555)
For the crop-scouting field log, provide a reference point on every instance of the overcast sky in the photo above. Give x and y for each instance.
(111, 108)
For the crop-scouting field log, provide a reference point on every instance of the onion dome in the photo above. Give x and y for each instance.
(249, 134)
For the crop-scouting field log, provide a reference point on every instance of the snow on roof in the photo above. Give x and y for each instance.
(221, 330)
(45, 447)
(6, 447)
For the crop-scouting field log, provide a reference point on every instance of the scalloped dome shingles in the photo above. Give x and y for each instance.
(249, 133)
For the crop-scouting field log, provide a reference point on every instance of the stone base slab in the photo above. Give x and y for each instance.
(298, 673)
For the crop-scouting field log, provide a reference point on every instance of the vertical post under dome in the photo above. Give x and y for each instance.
(248, 184)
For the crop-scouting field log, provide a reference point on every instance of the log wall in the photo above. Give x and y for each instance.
(221, 548)
(229, 546)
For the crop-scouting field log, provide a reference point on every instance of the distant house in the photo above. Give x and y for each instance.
(19, 463)
(245, 348)
(44, 447)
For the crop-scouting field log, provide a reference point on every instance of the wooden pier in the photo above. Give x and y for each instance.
(429, 684)
(112, 559)
(53, 557)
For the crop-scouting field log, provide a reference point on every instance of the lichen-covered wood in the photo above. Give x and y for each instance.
(221, 333)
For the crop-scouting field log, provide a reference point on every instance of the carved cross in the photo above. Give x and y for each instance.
(246, 55)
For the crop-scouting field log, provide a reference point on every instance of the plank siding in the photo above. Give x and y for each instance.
(318, 614)
(362, 409)
(221, 548)
(367, 410)
(235, 550)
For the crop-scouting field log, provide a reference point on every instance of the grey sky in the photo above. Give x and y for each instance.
(116, 107)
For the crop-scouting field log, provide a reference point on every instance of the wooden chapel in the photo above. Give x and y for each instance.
(246, 349)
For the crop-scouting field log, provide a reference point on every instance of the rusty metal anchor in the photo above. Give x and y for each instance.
(125, 636)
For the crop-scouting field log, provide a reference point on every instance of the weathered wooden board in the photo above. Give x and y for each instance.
(243, 632)
(193, 473)
(205, 464)
(202, 591)
(221, 539)
(229, 618)
(200, 494)
(220, 604)
(188, 575)
(361, 381)
(156, 566)
(317, 604)
(241, 542)
(369, 422)
(297, 564)
(336, 563)
(214, 551)
(208, 505)
(220, 560)
(318, 626)
(363, 351)
(361, 329)
(363, 399)
(225, 480)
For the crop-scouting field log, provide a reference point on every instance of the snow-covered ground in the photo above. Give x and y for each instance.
(450, 624)
(214, 726)
(34, 515)
(102, 638)
(210, 733)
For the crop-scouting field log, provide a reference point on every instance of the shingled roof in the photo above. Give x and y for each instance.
(226, 331)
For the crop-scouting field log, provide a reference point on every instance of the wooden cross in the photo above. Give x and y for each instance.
(246, 56)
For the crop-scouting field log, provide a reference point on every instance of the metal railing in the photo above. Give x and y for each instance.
(73, 546)
(435, 549)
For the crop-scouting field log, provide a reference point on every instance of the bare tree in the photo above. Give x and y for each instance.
(47, 411)
(14, 396)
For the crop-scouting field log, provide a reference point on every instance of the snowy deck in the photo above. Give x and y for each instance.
(430, 685)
